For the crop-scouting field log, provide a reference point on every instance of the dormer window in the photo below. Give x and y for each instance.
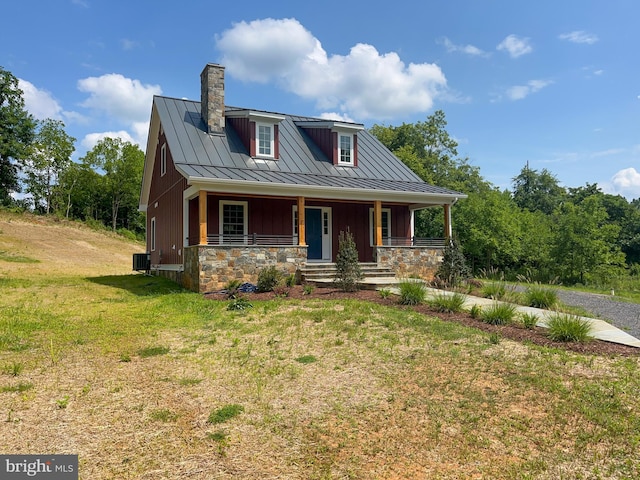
(265, 140)
(337, 140)
(345, 152)
(258, 131)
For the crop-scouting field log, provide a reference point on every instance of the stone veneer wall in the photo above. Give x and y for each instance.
(210, 267)
(410, 261)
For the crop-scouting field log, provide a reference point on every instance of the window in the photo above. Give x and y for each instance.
(233, 222)
(163, 159)
(265, 139)
(386, 226)
(152, 234)
(345, 153)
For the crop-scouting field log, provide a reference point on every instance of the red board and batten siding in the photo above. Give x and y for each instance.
(273, 216)
(165, 205)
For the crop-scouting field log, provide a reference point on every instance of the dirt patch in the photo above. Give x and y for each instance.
(518, 333)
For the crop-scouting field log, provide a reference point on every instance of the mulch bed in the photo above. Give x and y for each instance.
(514, 332)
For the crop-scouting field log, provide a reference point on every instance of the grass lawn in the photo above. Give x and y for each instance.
(144, 380)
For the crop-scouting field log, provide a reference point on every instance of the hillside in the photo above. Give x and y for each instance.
(41, 245)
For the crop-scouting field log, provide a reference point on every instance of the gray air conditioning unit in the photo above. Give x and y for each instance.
(142, 261)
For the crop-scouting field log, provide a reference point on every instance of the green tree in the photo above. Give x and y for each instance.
(583, 241)
(535, 191)
(490, 231)
(122, 164)
(348, 271)
(50, 157)
(17, 128)
(79, 193)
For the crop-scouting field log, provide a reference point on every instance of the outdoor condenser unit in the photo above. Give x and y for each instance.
(142, 261)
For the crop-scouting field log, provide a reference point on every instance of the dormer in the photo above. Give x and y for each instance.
(337, 140)
(258, 132)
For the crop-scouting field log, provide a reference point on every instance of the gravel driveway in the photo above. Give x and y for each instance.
(625, 316)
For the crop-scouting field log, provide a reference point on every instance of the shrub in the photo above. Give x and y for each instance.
(453, 269)
(541, 297)
(412, 292)
(499, 313)
(348, 271)
(529, 320)
(448, 303)
(494, 290)
(564, 327)
(232, 288)
(239, 304)
(475, 311)
(268, 278)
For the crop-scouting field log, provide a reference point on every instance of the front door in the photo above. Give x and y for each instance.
(313, 233)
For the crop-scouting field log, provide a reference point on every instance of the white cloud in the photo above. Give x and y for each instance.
(579, 36)
(90, 140)
(39, 103)
(518, 92)
(364, 83)
(123, 98)
(128, 44)
(626, 182)
(468, 49)
(336, 116)
(515, 46)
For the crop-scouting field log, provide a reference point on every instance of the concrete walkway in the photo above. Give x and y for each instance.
(599, 328)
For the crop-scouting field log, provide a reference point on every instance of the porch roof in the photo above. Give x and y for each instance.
(222, 163)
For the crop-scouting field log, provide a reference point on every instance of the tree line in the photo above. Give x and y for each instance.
(537, 228)
(37, 172)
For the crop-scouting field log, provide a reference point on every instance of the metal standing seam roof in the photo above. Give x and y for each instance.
(199, 155)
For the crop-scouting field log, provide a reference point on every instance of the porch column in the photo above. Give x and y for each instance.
(447, 221)
(377, 214)
(301, 224)
(202, 210)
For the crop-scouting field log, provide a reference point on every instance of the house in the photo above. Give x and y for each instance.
(228, 191)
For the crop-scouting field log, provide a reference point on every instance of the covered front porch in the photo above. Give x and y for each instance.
(234, 237)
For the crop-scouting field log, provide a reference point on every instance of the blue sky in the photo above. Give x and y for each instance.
(552, 83)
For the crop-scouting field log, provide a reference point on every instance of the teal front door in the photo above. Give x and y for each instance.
(313, 233)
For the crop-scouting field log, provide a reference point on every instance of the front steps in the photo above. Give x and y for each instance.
(324, 274)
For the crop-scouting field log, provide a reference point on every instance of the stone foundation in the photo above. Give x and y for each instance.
(419, 262)
(208, 267)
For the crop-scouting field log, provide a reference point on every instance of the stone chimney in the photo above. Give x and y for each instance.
(212, 97)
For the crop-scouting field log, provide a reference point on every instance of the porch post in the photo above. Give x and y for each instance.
(202, 210)
(301, 222)
(377, 213)
(447, 222)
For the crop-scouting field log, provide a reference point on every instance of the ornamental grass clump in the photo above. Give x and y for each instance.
(499, 313)
(448, 303)
(564, 327)
(540, 297)
(412, 292)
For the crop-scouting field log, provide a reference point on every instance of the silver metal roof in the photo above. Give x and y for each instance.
(200, 156)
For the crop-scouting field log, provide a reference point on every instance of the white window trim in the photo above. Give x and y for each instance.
(371, 222)
(152, 227)
(221, 218)
(351, 141)
(272, 143)
(163, 159)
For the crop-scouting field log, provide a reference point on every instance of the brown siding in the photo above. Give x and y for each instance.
(323, 139)
(355, 150)
(165, 204)
(242, 127)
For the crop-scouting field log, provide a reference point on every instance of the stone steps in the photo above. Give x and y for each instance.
(325, 273)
